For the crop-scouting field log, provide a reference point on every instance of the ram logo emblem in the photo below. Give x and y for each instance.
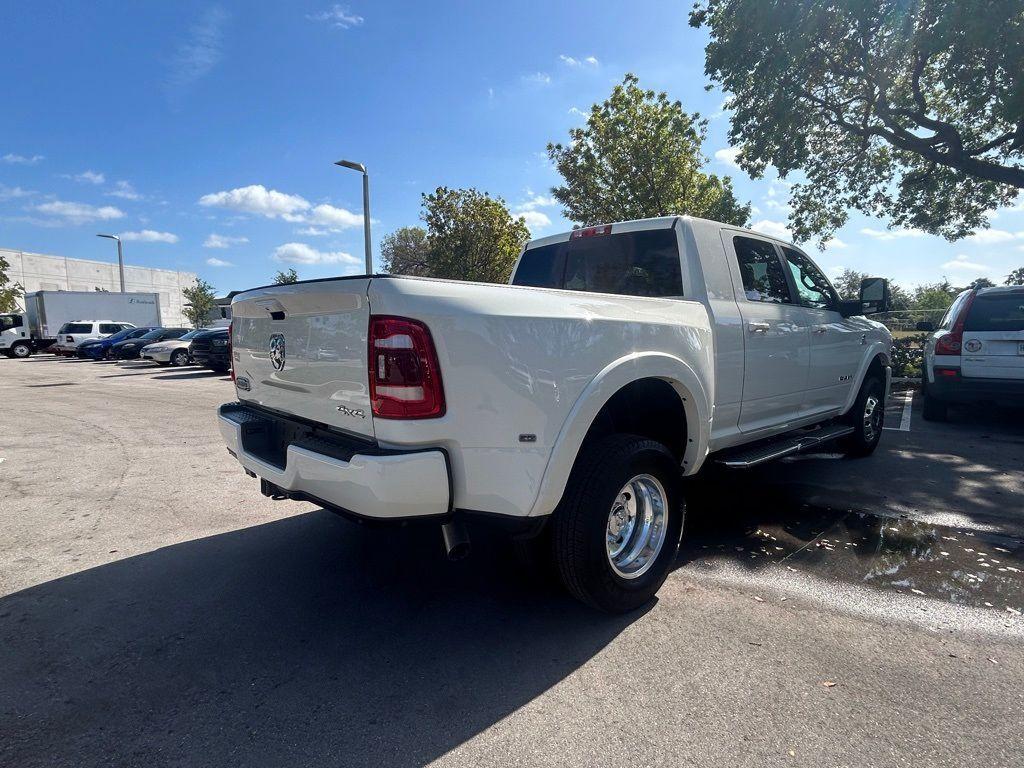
(277, 351)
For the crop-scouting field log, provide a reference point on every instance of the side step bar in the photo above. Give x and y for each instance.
(776, 449)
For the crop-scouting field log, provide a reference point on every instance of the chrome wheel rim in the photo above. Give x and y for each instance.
(21, 351)
(872, 417)
(637, 523)
(179, 359)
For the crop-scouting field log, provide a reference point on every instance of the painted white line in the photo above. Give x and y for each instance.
(908, 399)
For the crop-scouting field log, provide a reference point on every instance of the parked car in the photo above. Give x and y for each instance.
(976, 354)
(70, 335)
(210, 350)
(99, 349)
(174, 352)
(567, 405)
(129, 349)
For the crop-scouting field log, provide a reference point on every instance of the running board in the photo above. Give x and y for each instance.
(751, 457)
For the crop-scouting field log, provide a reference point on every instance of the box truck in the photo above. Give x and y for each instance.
(46, 312)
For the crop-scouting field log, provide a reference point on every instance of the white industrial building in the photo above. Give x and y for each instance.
(39, 272)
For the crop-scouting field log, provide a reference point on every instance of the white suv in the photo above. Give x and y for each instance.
(74, 333)
(977, 352)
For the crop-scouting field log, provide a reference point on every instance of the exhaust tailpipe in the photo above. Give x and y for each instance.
(456, 540)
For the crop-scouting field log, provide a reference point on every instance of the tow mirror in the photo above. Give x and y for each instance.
(926, 325)
(874, 295)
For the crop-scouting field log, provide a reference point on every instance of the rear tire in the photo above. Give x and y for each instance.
(867, 417)
(617, 529)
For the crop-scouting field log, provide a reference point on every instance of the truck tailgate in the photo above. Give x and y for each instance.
(301, 349)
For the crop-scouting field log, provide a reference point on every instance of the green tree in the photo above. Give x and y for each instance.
(934, 295)
(199, 301)
(471, 235)
(908, 110)
(405, 252)
(981, 282)
(286, 278)
(1016, 277)
(639, 155)
(9, 290)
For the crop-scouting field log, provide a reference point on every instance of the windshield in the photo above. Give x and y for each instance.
(192, 334)
(644, 263)
(9, 321)
(124, 334)
(156, 333)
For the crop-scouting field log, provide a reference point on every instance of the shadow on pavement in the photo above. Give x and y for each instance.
(204, 374)
(309, 641)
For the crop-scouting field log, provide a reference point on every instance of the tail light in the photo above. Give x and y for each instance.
(405, 377)
(231, 350)
(952, 342)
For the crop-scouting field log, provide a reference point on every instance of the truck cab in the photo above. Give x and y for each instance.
(15, 340)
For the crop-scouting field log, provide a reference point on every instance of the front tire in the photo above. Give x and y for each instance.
(180, 358)
(617, 529)
(867, 417)
(21, 350)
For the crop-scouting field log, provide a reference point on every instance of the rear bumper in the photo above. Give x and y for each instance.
(959, 389)
(348, 476)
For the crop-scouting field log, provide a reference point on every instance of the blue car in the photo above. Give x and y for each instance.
(98, 349)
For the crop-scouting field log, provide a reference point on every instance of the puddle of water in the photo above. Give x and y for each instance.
(962, 567)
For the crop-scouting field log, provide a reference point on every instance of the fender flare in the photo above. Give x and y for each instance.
(876, 349)
(688, 384)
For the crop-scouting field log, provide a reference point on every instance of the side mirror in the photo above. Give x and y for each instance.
(925, 325)
(874, 295)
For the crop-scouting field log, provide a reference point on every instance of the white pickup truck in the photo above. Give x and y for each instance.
(568, 403)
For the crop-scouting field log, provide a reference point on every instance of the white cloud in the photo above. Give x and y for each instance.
(538, 78)
(337, 16)
(891, 234)
(223, 241)
(334, 218)
(12, 193)
(214, 262)
(728, 156)
(772, 229)
(572, 61)
(13, 159)
(774, 201)
(300, 253)
(963, 264)
(199, 53)
(534, 219)
(536, 201)
(577, 111)
(256, 199)
(79, 213)
(90, 177)
(313, 231)
(835, 242)
(125, 191)
(721, 109)
(150, 236)
(991, 236)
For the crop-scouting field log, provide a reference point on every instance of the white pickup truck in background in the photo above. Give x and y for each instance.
(569, 403)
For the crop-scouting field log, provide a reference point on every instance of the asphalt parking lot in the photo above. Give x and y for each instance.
(156, 610)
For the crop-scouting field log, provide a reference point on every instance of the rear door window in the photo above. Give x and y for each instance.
(76, 328)
(110, 327)
(996, 312)
(644, 263)
(763, 278)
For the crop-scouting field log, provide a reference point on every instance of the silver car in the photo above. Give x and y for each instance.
(174, 352)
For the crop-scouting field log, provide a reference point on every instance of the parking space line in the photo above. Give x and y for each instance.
(908, 399)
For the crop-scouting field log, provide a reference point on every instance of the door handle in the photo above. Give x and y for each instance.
(820, 328)
(755, 327)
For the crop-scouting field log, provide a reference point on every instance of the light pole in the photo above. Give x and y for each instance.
(120, 257)
(366, 208)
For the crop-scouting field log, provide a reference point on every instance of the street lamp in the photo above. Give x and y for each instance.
(120, 257)
(366, 208)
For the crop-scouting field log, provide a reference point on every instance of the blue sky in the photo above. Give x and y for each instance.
(208, 131)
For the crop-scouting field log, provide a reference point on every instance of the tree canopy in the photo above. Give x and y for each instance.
(405, 252)
(286, 278)
(639, 155)
(907, 109)
(471, 235)
(9, 291)
(199, 301)
(1016, 277)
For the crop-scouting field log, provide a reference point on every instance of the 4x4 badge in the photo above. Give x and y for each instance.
(277, 351)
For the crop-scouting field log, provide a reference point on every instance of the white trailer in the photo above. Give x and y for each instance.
(21, 334)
